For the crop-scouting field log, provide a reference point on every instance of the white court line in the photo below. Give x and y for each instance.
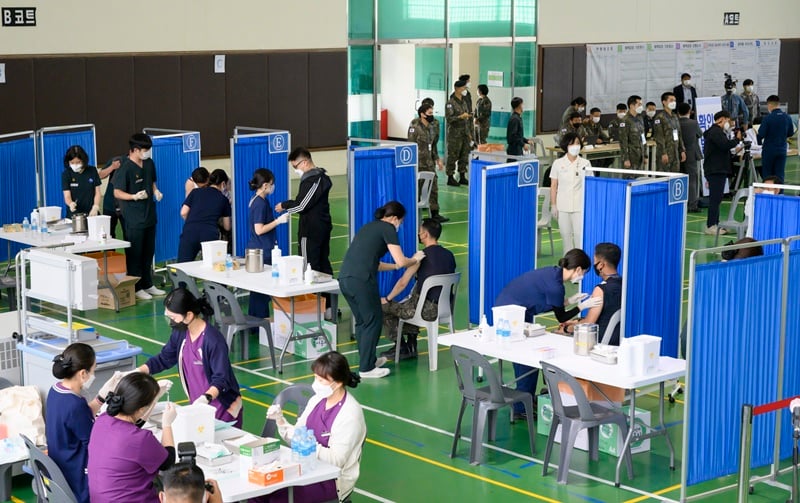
(371, 496)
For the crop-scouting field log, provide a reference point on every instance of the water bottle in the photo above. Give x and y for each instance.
(311, 450)
(228, 264)
(276, 256)
(504, 332)
(26, 226)
(297, 442)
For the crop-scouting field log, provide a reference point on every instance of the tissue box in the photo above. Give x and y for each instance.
(259, 452)
(273, 474)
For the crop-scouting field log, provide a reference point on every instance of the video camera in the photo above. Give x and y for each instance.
(187, 454)
(730, 83)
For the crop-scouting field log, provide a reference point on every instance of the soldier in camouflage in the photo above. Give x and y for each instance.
(613, 126)
(670, 151)
(633, 146)
(459, 134)
(421, 131)
(593, 127)
(574, 124)
(437, 128)
(483, 114)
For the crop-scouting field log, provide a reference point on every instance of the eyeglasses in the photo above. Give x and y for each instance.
(597, 265)
(294, 166)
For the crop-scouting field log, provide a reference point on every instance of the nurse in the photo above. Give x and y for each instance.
(201, 354)
(80, 183)
(540, 291)
(204, 209)
(262, 231)
(358, 280)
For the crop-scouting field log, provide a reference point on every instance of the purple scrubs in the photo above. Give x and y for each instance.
(196, 382)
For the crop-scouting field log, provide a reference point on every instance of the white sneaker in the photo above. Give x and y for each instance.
(381, 361)
(375, 373)
(143, 295)
(712, 231)
(155, 291)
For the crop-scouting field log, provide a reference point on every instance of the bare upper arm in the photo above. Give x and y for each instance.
(593, 314)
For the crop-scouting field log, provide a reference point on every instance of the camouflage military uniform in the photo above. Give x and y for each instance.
(592, 129)
(424, 137)
(459, 136)
(569, 128)
(668, 138)
(393, 311)
(632, 145)
(613, 129)
(483, 115)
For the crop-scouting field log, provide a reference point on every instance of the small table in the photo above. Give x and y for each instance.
(262, 282)
(610, 151)
(583, 367)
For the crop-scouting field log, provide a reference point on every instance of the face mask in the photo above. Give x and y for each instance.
(146, 154)
(581, 109)
(577, 280)
(726, 126)
(687, 82)
(180, 326)
(89, 381)
(576, 125)
(596, 269)
(574, 150)
(596, 119)
(464, 92)
(651, 113)
(429, 118)
(729, 91)
(620, 115)
(321, 390)
(298, 172)
(749, 89)
(76, 167)
(639, 109)
(672, 104)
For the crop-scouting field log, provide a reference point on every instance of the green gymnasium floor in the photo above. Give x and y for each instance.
(411, 414)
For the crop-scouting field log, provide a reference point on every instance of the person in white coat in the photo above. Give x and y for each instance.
(339, 427)
(566, 190)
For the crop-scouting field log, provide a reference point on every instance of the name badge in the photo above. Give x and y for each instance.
(644, 140)
(74, 185)
(674, 135)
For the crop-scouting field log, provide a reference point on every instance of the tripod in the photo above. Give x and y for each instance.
(741, 177)
(795, 468)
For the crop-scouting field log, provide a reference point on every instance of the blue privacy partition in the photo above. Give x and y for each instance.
(379, 172)
(503, 200)
(791, 349)
(253, 148)
(176, 154)
(776, 216)
(17, 170)
(53, 144)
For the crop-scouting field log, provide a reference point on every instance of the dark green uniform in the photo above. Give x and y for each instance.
(483, 115)
(668, 138)
(569, 128)
(592, 129)
(613, 129)
(459, 136)
(632, 142)
(424, 137)
(81, 186)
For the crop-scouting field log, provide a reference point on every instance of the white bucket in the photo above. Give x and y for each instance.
(639, 355)
(50, 213)
(98, 225)
(194, 423)
(213, 251)
(515, 316)
(291, 268)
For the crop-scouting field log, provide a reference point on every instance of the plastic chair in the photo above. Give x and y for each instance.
(731, 222)
(232, 320)
(426, 177)
(485, 401)
(296, 393)
(48, 480)
(575, 418)
(612, 324)
(449, 288)
(545, 219)
(181, 279)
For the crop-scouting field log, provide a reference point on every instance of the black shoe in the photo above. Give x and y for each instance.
(521, 416)
(411, 344)
(463, 180)
(439, 218)
(451, 181)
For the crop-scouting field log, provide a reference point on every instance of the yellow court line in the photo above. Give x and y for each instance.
(657, 493)
(14, 499)
(462, 472)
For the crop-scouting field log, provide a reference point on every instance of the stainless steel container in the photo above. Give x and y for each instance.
(585, 338)
(254, 260)
(80, 224)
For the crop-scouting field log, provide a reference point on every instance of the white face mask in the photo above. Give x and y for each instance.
(639, 109)
(146, 154)
(574, 150)
(581, 109)
(464, 92)
(620, 115)
(577, 279)
(651, 113)
(687, 82)
(726, 126)
(321, 390)
(672, 104)
(298, 172)
(595, 119)
(749, 89)
(76, 167)
(89, 381)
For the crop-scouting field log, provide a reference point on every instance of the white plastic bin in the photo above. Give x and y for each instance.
(639, 355)
(194, 423)
(97, 225)
(213, 252)
(50, 213)
(515, 316)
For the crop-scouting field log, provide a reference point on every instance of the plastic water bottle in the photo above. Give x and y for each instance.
(276, 257)
(503, 332)
(311, 451)
(228, 264)
(26, 226)
(297, 443)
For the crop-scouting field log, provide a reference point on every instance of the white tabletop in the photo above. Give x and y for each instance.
(63, 238)
(583, 367)
(259, 282)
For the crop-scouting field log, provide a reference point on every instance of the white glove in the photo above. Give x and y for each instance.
(158, 195)
(73, 206)
(201, 399)
(95, 211)
(419, 256)
(169, 415)
(275, 413)
(554, 212)
(165, 385)
(140, 196)
(283, 218)
(110, 385)
(577, 298)
(590, 303)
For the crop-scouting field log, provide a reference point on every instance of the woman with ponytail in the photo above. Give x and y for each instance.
(201, 354)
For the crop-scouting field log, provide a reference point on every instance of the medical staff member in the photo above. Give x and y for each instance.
(124, 459)
(203, 209)
(775, 129)
(262, 231)
(339, 427)
(80, 183)
(201, 354)
(135, 188)
(540, 291)
(358, 280)
(566, 190)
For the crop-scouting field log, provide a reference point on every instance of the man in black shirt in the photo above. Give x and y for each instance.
(515, 132)
(438, 260)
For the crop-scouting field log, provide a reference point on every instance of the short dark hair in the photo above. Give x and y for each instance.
(580, 100)
(76, 357)
(593, 110)
(719, 115)
(684, 108)
(633, 99)
(333, 366)
(483, 89)
(665, 96)
(575, 258)
(260, 177)
(568, 139)
(464, 77)
(185, 481)
(299, 153)
(622, 106)
(649, 104)
(773, 98)
(76, 152)
(218, 176)
(608, 252)
(200, 175)
(747, 82)
(432, 227)
(773, 178)
(391, 209)
(427, 101)
(573, 115)
(140, 141)
(685, 76)
(424, 108)
(516, 102)
(133, 392)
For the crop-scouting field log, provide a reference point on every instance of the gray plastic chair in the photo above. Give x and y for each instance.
(298, 394)
(426, 177)
(449, 289)
(731, 223)
(232, 320)
(181, 279)
(545, 219)
(612, 324)
(485, 401)
(575, 418)
(48, 480)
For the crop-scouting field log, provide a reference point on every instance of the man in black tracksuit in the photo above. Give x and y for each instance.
(311, 203)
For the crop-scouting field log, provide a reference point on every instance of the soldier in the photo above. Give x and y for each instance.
(648, 118)
(459, 134)
(437, 127)
(468, 98)
(574, 124)
(633, 144)
(613, 126)
(421, 131)
(577, 105)
(483, 113)
(751, 101)
(670, 149)
(594, 128)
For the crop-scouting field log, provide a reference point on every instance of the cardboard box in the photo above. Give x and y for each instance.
(260, 451)
(313, 347)
(273, 474)
(305, 309)
(116, 262)
(124, 285)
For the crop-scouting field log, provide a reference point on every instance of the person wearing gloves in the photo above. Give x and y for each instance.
(70, 417)
(717, 165)
(566, 190)
(540, 291)
(123, 458)
(201, 354)
(135, 188)
(262, 231)
(203, 210)
(358, 280)
(80, 183)
(339, 427)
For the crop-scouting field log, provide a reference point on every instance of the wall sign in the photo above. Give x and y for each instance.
(730, 19)
(19, 16)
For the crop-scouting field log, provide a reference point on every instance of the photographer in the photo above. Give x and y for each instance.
(186, 483)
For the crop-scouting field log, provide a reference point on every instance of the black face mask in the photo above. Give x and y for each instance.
(139, 423)
(180, 326)
(596, 269)
(429, 118)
